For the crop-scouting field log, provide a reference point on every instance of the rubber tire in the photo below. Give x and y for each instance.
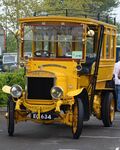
(105, 109)
(11, 112)
(78, 132)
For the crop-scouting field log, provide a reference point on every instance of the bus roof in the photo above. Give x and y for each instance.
(65, 19)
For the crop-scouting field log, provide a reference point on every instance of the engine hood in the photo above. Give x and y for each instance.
(52, 68)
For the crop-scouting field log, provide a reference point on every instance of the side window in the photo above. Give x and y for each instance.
(91, 41)
(89, 45)
(102, 50)
(112, 47)
(108, 46)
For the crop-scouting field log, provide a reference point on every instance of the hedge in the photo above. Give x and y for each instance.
(10, 78)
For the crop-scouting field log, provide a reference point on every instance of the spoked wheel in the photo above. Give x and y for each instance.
(108, 109)
(78, 115)
(11, 108)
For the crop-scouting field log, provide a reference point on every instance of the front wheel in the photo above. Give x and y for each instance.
(108, 109)
(11, 108)
(78, 115)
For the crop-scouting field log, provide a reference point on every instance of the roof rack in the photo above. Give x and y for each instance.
(78, 13)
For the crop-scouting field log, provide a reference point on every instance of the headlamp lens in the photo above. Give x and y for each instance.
(16, 91)
(56, 92)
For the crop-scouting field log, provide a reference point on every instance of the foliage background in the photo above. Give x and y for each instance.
(10, 78)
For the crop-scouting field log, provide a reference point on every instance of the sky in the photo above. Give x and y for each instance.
(117, 12)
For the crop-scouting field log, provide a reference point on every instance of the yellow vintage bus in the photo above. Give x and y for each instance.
(69, 75)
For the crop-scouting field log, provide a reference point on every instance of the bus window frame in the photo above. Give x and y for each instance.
(22, 25)
(112, 34)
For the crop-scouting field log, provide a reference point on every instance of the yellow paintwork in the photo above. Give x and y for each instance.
(65, 73)
(93, 68)
(63, 118)
(43, 106)
(97, 106)
(62, 72)
(64, 19)
(74, 93)
(18, 103)
(23, 116)
(39, 108)
(58, 104)
(112, 110)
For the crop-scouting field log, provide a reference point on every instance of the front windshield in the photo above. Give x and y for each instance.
(54, 40)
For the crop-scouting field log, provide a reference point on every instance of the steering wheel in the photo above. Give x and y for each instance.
(42, 53)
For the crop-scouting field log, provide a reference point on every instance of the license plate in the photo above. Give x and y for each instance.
(42, 116)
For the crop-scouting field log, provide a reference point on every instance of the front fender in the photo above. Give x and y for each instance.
(75, 92)
(6, 89)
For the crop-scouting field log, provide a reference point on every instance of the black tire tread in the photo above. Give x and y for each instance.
(105, 109)
(80, 120)
(11, 106)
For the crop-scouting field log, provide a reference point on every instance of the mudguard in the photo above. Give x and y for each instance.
(83, 95)
(75, 92)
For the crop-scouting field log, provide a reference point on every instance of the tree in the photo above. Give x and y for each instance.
(11, 43)
(61, 4)
(92, 5)
(118, 35)
(12, 11)
(15, 9)
(107, 5)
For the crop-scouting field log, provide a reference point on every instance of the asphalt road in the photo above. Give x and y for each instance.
(32, 136)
